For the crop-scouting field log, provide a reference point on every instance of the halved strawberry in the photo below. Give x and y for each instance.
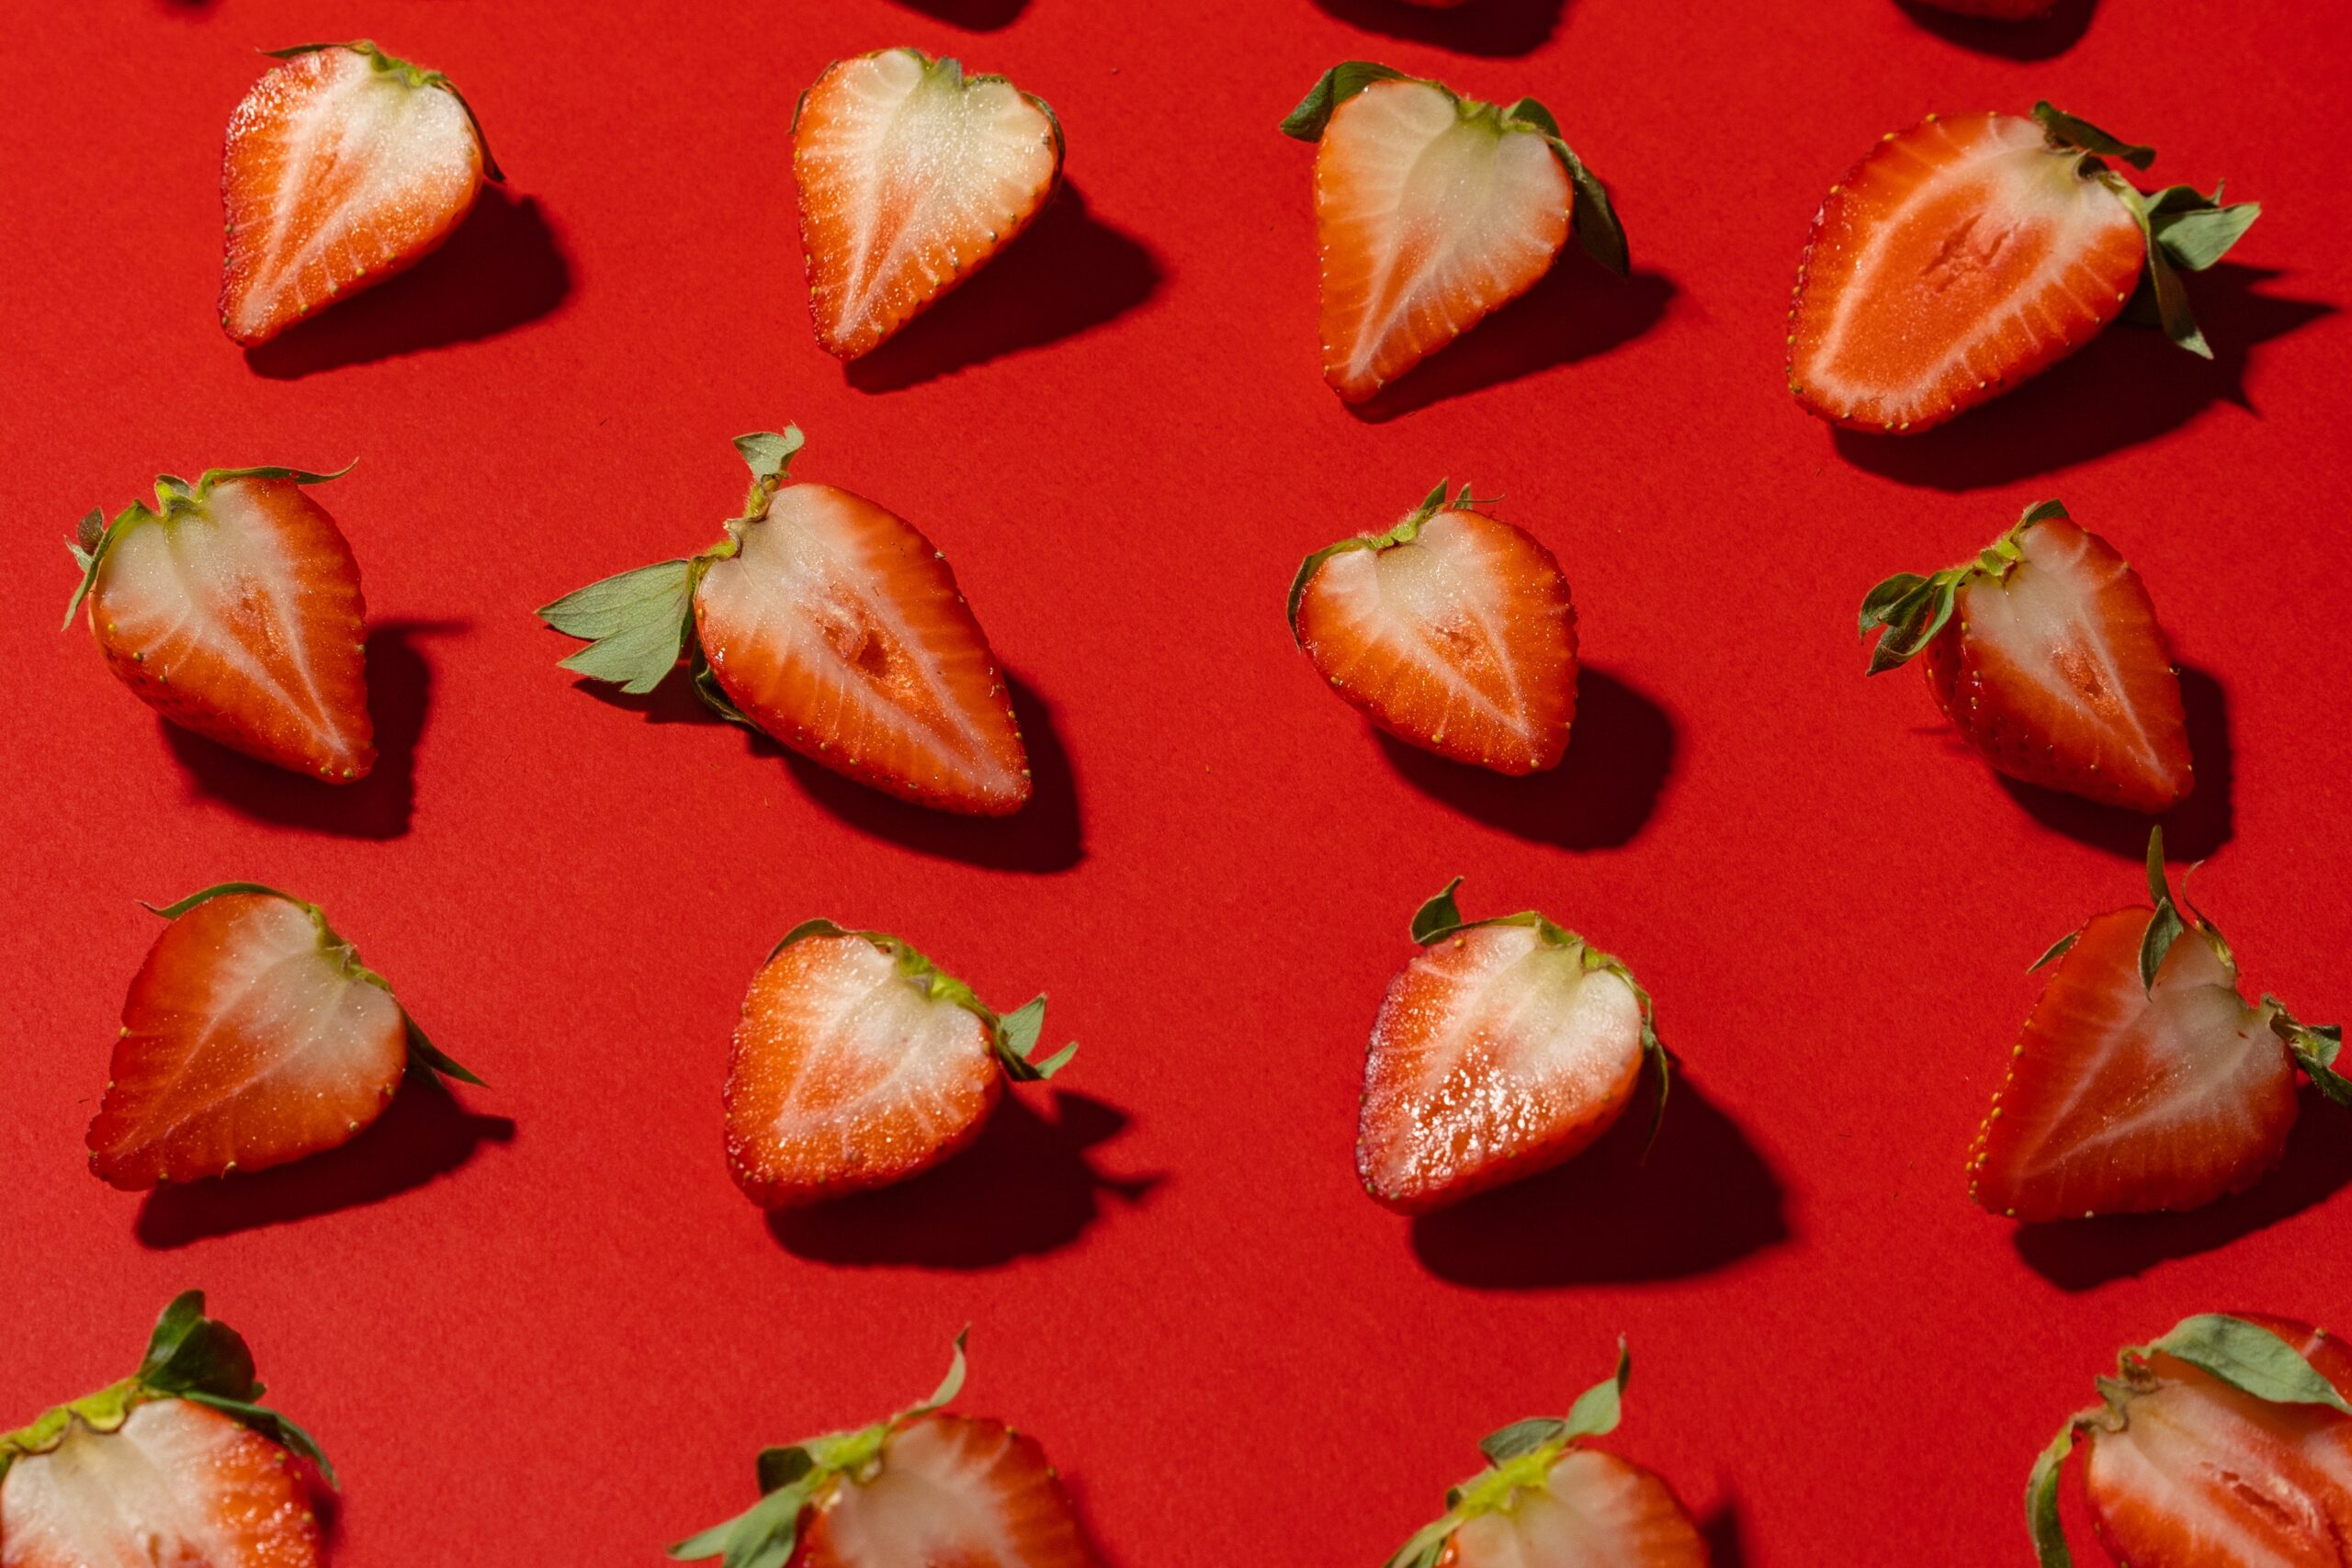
(345, 166)
(1452, 631)
(857, 1064)
(1433, 210)
(1545, 1500)
(2226, 1444)
(1971, 251)
(1505, 1048)
(2144, 1081)
(2054, 668)
(828, 623)
(917, 1490)
(234, 609)
(251, 1036)
(176, 1464)
(911, 174)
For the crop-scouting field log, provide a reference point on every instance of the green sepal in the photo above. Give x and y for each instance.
(2057, 950)
(2180, 229)
(94, 537)
(636, 624)
(1406, 530)
(1335, 87)
(1014, 1036)
(2041, 1521)
(2164, 925)
(172, 912)
(768, 453)
(412, 75)
(2247, 1357)
(1910, 610)
(706, 683)
(2314, 1048)
(1592, 218)
(2063, 130)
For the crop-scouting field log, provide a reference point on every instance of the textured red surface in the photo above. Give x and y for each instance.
(548, 1329)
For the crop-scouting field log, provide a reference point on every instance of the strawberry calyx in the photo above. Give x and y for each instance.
(1407, 530)
(1591, 217)
(2246, 1356)
(1441, 918)
(408, 76)
(1013, 1036)
(793, 1477)
(190, 1357)
(1519, 1459)
(94, 536)
(1907, 610)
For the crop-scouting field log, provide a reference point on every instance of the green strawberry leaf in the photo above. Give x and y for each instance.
(205, 1361)
(636, 624)
(2042, 1503)
(1438, 918)
(219, 890)
(2063, 130)
(769, 453)
(437, 1063)
(2315, 1048)
(2165, 926)
(2251, 1358)
(1599, 1408)
(1592, 219)
(2057, 950)
(1335, 87)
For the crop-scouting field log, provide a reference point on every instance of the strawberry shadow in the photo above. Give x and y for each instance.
(400, 685)
(1621, 750)
(2045, 36)
(502, 268)
(2129, 385)
(1703, 1199)
(2083, 1255)
(1721, 1529)
(1576, 313)
(1497, 28)
(973, 16)
(1067, 273)
(1028, 1187)
(423, 1135)
(2195, 829)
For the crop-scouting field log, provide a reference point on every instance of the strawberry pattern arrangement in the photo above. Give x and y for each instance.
(1957, 260)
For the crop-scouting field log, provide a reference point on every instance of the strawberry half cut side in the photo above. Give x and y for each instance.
(1546, 1497)
(251, 1036)
(2226, 1444)
(828, 624)
(917, 1487)
(2045, 653)
(177, 1463)
(1432, 211)
(1974, 251)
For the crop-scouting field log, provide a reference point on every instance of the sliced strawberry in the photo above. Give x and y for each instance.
(1505, 1047)
(1452, 631)
(2044, 651)
(2144, 1081)
(251, 1036)
(828, 623)
(2226, 1444)
(1432, 212)
(233, 610)
(345, 165)
(918, 1490)
(858, 1064)
(911, 176)
(1967, 253)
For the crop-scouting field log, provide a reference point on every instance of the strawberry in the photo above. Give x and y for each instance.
(1545, 1498)
(251, 1036)
(176, 1464)
(1971, 251)
(1505, 1048)
(2226, 1444)
(916, 1490)
(1433, 210)
(345, 166)
(911, 176)
(2045, 652)
(2144, 1081)
(1451, 631)
(828, 623)
(857, 1064)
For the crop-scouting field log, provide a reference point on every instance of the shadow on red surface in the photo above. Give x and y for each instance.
(2195, 829)
(425, 1133)
(1721, 1530)
(2043, 37)
(1620, 750)
(976, 15)
(1493, 27)
(502, 268)
(2130, 386)
(1705, 1198)
(1029, 1186)
(400, 684)
(2082, 1255)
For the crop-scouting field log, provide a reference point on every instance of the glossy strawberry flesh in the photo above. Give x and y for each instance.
(950, 1492)
(246, 1042)
(337, 177)
(2119, 1100)
(1958, 258)
(1461, 641)
(177, 1487)
(1428, 220)
(2201, 1475)
(1596, 1509)
(241, 620)
(909, 179)
(2060, 675)
(838, 630)
(848, 1073)
(1495, 1055)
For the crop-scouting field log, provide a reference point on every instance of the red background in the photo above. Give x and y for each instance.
(548, 1329)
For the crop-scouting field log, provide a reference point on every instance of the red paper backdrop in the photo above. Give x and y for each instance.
(548, 1329)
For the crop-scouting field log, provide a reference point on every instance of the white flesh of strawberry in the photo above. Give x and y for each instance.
(2182, 1447)
(936, 1500)
(1598, 1509)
